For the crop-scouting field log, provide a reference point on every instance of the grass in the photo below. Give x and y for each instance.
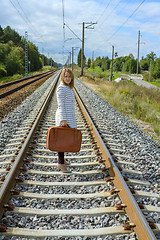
(146, 78)
(97, 71)
(157, 84)
(10, 78)
(18, 76)
(130, 99)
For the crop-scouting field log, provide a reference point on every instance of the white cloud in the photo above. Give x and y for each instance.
(44, 23)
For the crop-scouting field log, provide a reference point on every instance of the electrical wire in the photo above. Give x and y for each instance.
(126, 20)
(26, 21)
(73, 32)
(111, 12)
(103, 11)
(35, 30)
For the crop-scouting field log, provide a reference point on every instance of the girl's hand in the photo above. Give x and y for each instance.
(64, 123)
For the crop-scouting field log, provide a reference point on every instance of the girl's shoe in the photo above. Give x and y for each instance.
(63, 168)
(66, 163)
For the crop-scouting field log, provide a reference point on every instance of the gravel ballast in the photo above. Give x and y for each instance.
(139, 148)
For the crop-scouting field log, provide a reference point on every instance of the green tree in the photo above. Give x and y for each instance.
(93, 64)
(98, 62)
(118, 63)
(1, 34)
(89, 63)
(3, 71)
(144, 64)
(104, 64)
(130, 65)
(130, 56)
(151, 56)
(4, 51)
(79, 59)
(12, 35)
(34, 57)
(14, 61)
(156, 70)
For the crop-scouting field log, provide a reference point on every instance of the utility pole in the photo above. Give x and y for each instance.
(130, 67)
(72, 56)
(138, 51)
(82, 50)
(112, 62)
(92, 55)
(26, 53)
(73, 48)
(63, 30)
(43, 56)
(89, 26)
(69, 59)
(150, 70)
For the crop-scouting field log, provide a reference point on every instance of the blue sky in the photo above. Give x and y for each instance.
(118, 23)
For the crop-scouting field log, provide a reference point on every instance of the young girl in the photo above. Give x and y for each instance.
(65, 114)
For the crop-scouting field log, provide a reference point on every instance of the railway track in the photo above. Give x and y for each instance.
(10, 87)
(92, 202)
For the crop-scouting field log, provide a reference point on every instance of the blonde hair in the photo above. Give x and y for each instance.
(71, 85)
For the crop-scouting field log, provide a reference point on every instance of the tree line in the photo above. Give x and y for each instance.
(12, 54)
(127, 64)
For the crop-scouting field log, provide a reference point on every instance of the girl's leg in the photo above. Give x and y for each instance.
(61, 157)
(61, 162)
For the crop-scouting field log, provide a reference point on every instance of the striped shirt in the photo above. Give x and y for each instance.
(66, 106)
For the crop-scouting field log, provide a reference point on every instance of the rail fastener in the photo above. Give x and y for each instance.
(120, 206)
(2, 179)
(109, 179)
(9, 207)
(14, 192)
(3, 228)
(129, 226)
(19, 179)
(114, 191)
(23, 169)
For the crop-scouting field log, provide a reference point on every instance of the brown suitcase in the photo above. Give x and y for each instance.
(64, 139)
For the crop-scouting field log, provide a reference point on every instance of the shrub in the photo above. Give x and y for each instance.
(3, 71)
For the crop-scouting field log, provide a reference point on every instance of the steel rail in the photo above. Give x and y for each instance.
(10, 180)
(23, 85)
(142, 228)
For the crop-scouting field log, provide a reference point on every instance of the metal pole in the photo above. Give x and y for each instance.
(112, 62)
(138, 50)
(130, 67)
(72, 56)
(82, 50)
(43, 56)
(70, 59)
(26, 54)
(150, 71)
(48, 60)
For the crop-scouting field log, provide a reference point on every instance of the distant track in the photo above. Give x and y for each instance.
(11, 87)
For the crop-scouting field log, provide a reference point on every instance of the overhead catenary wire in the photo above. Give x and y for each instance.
(103, 11)
(28, 20)
(111, 12)
(107, 18)
(72, 31)
(126, 20)
(104, 40)
(24, 18)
